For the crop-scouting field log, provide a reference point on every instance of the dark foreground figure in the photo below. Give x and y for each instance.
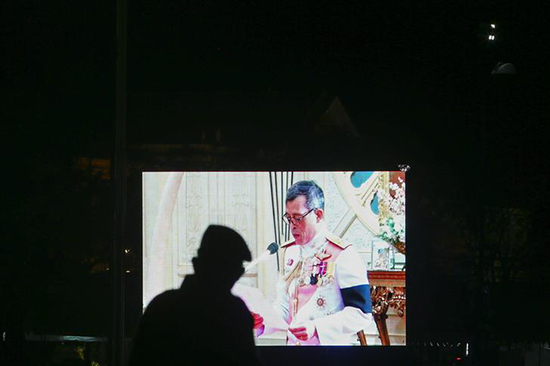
(201, 323)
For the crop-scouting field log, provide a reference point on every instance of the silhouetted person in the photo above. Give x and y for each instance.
(201, 323)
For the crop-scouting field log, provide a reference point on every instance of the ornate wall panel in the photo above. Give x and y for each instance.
(238, 200)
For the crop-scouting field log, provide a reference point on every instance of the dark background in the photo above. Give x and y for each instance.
(415, 79)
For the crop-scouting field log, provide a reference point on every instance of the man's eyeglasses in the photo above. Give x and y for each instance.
(295, 220)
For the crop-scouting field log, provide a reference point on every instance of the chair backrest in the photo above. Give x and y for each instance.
(362, 338)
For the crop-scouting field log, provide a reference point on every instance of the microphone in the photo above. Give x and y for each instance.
(271, 249)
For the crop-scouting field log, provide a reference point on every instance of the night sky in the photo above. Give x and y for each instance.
(415, 65)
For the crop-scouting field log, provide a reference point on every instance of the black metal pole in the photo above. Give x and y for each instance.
(277, 209)
(119, 182)
(283, 207)
(274, 218)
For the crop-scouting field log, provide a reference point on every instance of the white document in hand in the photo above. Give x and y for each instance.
(257, 303)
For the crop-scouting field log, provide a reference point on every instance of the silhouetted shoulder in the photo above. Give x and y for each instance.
(154, 329)
(163, 301)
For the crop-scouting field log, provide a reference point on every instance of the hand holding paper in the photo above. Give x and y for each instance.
(258, 320)
(303, 331)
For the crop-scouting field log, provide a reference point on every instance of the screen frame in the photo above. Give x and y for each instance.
(390, 355)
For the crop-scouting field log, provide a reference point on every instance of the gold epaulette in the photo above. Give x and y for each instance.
(282, 253)
(288, 243)
(337, 241)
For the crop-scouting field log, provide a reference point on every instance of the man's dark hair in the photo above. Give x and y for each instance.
(310, 190)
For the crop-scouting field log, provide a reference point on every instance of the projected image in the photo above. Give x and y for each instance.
(328, 248)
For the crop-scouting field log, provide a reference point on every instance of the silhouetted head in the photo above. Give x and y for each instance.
(220, 257)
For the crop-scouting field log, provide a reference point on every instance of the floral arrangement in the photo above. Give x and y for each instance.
(392, 224)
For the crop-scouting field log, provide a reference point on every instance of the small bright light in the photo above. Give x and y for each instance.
(404, 167)
(467, 346)
(126, 251)
(491, 37)
(493, 25)
(127, 271)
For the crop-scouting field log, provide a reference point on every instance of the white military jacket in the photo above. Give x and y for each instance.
(323, 281)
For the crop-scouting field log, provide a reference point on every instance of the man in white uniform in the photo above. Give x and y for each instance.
(323, 291)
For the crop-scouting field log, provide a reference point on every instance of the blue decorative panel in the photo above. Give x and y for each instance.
(358, 178)
(374, 204)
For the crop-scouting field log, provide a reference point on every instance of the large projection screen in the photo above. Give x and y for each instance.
(365, 209)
